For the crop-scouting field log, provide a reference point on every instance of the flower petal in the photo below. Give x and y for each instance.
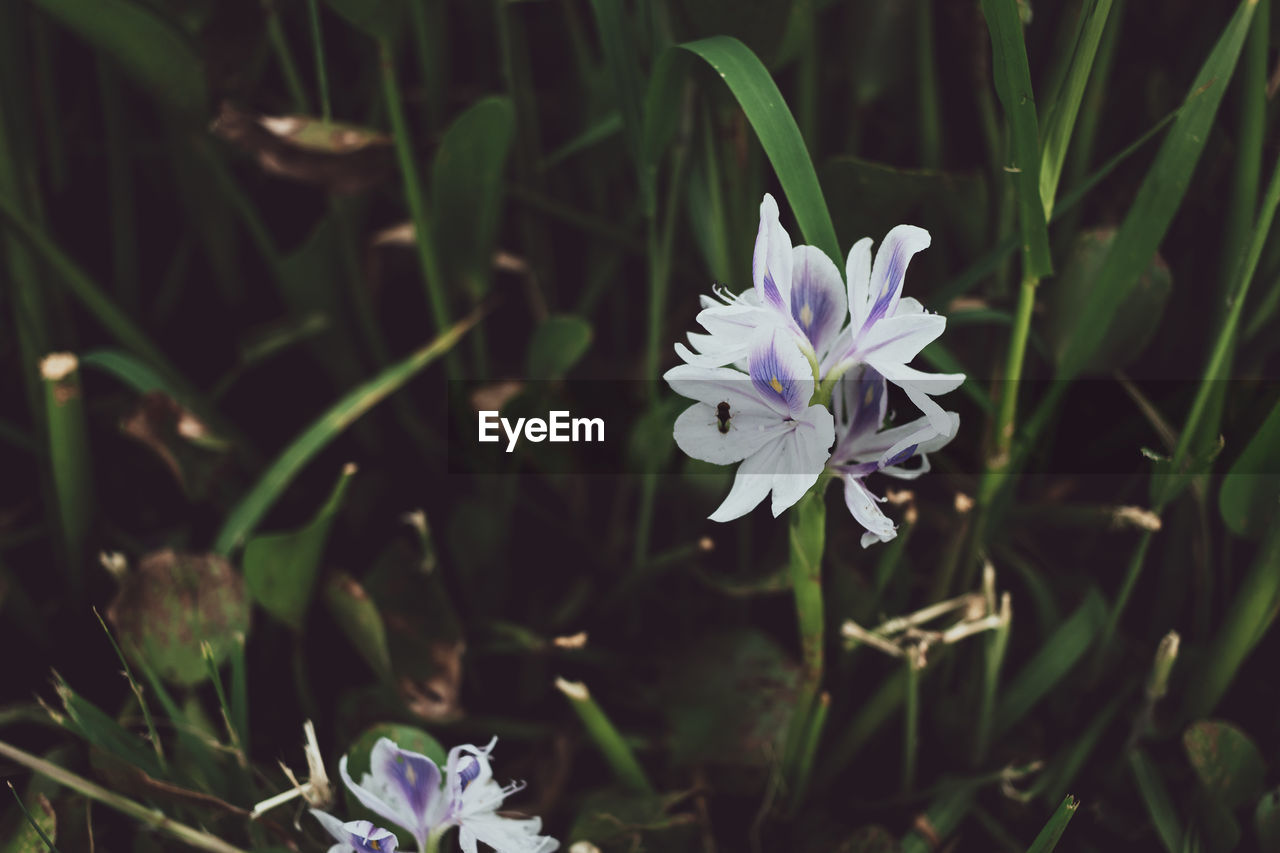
(381, 799)
(750, 485)
(805, 453)
(414, 776)
(699, 433)
(890, 268)
(771, 261)
(920, 386)
(507, 835)
(862, 506)
(716, 385)
(819, 303)
(857, 271)
(900, 338)
(781, 374)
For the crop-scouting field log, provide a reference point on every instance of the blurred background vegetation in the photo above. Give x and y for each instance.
(292, 244)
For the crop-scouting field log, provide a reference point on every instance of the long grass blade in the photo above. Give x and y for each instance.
(1160, 195)
(1061, 121)
(244, 518)
(779, 135)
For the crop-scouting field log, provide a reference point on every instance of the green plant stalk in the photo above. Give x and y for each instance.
(911, 719)
(1252, 611)
(818, 724)
(807, 537)
(322, 75)
(927, 88)
(998, 462)
(996, 642)
(156, 820)
(48, 843)
(942, 817)
(244, 518)
(211, 666)
(423, 239)
(284, 56)
(607, 738)
(69, 460)
(152, 734)
(807, 65)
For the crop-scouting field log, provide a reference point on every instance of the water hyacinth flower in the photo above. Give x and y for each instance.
(762, 418)
(863, 448)
(358, 835)
(799, 328)
(887, 330)
(404, 787)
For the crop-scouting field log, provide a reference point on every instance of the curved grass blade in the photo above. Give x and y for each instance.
(1051, 663)
(1155, 795)
(244, 518)
(150, 51)
(280, 568)
(1013, 85)
(776, 128)
(1160, 196)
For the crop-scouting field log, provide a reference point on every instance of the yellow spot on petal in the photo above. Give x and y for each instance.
(374, 844)
(409, 775)
(775, 384)
(866, 401)
(806, 315)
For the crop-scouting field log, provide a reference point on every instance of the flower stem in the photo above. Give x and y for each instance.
(187, 834)
(807, 538)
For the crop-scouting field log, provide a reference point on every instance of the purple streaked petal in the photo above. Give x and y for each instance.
(461, 759)
(359, 835)
(900, 338)
(414, 776)
(381, 799)
(714, 385)
(857, 272)
(781, 374)
(771, 260)
(818, 300)
(365, 837)
(890, 269)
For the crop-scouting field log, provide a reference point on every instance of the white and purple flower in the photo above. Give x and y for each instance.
(405, 788)
(802, 329)
(863, 448)
(762, 418)
(886, 331)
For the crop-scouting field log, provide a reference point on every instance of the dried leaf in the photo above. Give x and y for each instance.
(342, 158)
